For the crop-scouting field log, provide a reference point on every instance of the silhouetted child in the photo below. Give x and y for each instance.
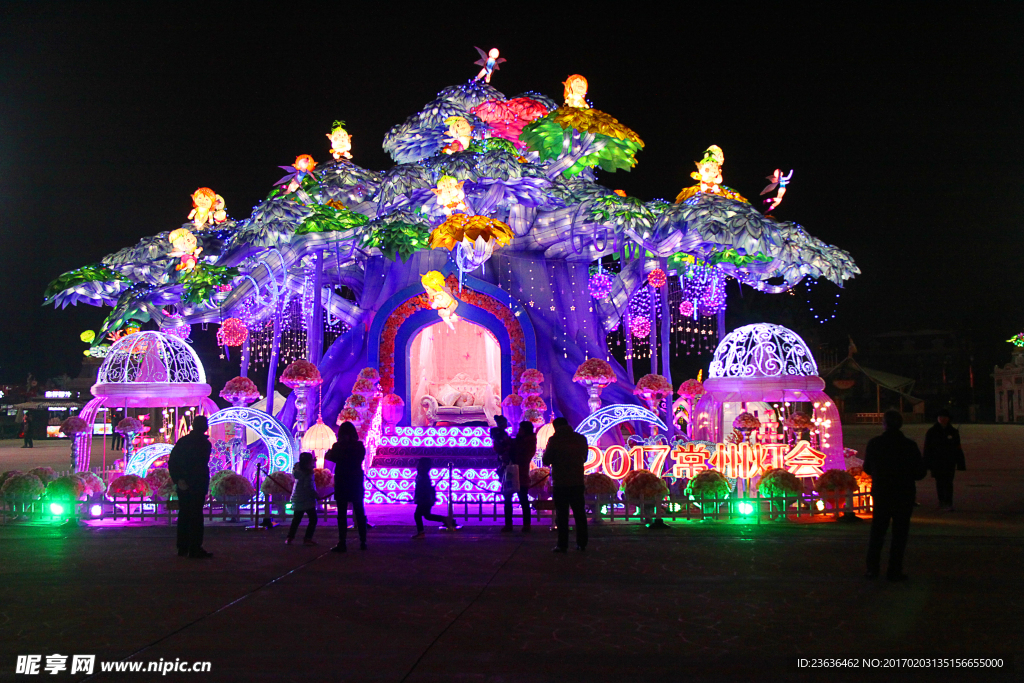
(303, 499)
(425, 497)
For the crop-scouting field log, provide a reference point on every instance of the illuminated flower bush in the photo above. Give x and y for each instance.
(129, 486)
(833, 483)
(69, 487)
(595, 370)
(278, 484)
(528, 389)
(301, 373)
(535, 403)
(93, 484)
(232, 332)
(45, 474)
(600, 484)
(232, 485)
(128, 425)
(7, 475)
(73, 426)
(532, 376)
(653, 388)
(23, 486)
(600, 285)
(364, 386)
(512, 401)
(708, 484)
(534, 417)
(348, 415)
(355, 401)
(540, 482)
(240, 390)
(323, 478)
(370, 374)
(778, 482)
(159, 481)
(746, 422)
(691, 388)
(644, 484)
(218, 475)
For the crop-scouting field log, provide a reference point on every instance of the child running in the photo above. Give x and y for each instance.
(303, 499)
(425, 497)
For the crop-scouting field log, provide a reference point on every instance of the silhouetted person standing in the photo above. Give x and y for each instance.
(944, 456)
(189, 467)
(520, 453)
(894, 463)
(566, 454)
(347, 454)
(26, 425)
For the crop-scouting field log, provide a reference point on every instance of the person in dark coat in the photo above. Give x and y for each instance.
(347, 454)
(303, 499)
(26, 425)
(189, 467)
(894, 463)
(566, 454)
(425, 496)
(944, 456)
(517, 460)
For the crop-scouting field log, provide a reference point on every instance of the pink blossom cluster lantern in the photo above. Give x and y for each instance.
(595, 374)
(300, 376)
(74, 427)
(653, 389)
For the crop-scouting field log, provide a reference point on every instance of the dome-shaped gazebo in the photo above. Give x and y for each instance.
(771, 364)
(147, 370)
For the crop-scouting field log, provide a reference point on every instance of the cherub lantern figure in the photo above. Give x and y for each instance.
(490, 62)
(441, 298)
(186, 247)
(297, 172)
(709, 177)
(450, 195)
(576, 92)
(207, 208)
(460, 134)
(341, 141)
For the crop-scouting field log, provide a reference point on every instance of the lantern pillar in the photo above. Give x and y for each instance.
(315, 335)
(666, 364)
(272, 365)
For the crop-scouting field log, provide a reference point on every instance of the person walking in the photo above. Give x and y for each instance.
(303, 499)
(944, 456)
(347, 454)
(516, 477)
(189, 467)
(894, 463)
(26, 425)
(425, 496)
(566, 453)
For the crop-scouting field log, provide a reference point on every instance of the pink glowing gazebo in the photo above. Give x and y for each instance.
(147, 370)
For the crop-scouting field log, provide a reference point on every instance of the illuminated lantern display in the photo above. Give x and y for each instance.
(686, 309)
(656, 278)
(129, 427)
(240, 391)
(207, 208)
(460, 134)
(450, 196)
(489, 63)
(232, 332)
(301, 375)
(595, 374)
(341, 141)
(318, 439)
(776, 179)
(709, 178)
(575, 92)
(441, 298)
(640, 327)
(473, 237)
(600, 285)
(186, 247)
(297, 173)
(73, 427)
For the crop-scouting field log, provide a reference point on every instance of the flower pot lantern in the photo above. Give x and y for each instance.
(653, 389)
(240, 392)
(595, 374)
(74, 427)
(747, 424)
(691, 390)
(392, 411)
(129, 427)
(300, 376)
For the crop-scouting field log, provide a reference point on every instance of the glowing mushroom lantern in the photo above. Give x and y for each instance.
(318, 439)
(595, 374)
(300, 376)
(74, 427)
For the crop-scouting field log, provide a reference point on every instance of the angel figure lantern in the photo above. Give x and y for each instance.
(186, 247)
(441, 298)
(460, 134)
(341, 141)
(450, 195)
(489, 61)
(207, 208)
(576, 92)
(709, 177)
(297, 173)
(776, 180)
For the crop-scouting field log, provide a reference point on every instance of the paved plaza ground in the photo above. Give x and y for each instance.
(696, 602)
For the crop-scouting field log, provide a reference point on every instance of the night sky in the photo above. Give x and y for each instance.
(903, 127)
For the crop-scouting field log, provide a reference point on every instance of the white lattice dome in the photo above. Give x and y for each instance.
(151, 357)
(762, 350)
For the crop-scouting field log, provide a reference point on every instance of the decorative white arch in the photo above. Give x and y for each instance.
(599, 422)
(278, 438)
(146, 456)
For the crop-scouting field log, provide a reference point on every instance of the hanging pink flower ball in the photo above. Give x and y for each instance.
(686, 309)
(656, 278)
(640, 327)
(232, 332)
